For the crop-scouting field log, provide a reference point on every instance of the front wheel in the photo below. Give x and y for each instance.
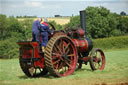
(97, 59)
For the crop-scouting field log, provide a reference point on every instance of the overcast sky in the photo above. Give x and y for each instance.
(49, 8)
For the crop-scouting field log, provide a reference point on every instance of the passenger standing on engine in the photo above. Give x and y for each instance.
(45, 30)
(36, 30)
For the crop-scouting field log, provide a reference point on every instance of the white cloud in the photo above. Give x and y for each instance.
(27, 4)
(51, 6)
(40, 4)
(32, 3)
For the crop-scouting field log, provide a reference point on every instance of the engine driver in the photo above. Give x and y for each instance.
(45, 30)
(35, 30)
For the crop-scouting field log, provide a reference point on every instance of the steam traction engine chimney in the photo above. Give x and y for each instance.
(87, 43)
(83, 20)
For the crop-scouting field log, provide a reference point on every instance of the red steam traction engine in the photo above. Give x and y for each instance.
(65, 52)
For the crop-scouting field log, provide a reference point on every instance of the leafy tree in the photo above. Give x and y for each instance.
(123, 24)
(11, 31)
(15, 27)
(9, 48)
(123, 13)
(74, 22)
(113, 22)
(3, 26)
(100, 22)
(27, 27)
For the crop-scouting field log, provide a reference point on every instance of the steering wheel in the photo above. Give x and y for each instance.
(52, 28)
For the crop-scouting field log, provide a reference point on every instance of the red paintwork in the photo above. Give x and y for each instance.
(80, 32)
(82, 45)
(58, 33)
(45, 23)
(28, 49)
(80, 42)
(85, 59)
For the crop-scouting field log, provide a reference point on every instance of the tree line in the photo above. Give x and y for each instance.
(100, 23)
(26, 16)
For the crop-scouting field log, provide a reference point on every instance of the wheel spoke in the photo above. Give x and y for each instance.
(56, 61)
(61, 64)
(97, 56)
(60, 44)
(67, 51)
(67, 46)
(96, 59)
(68, 60)
(55, 49)
(70, 55)
(67, 64)
(56, 55)
(56, 67)
(59, 49)
(63, 47)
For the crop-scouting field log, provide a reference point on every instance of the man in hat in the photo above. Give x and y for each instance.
(45, 30)
(36, 30)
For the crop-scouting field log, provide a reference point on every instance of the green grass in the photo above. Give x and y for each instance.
(115, 72)
(119, 42)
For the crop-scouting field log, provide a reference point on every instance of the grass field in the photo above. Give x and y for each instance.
(115, 73)
(58, 20)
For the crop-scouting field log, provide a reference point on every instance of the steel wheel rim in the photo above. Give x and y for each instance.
(99, 59)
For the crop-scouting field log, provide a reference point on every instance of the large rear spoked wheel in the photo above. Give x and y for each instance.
(31, 71)
(60, 56)
(97, 59)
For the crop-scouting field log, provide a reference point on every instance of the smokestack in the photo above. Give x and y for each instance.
(83, 20)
